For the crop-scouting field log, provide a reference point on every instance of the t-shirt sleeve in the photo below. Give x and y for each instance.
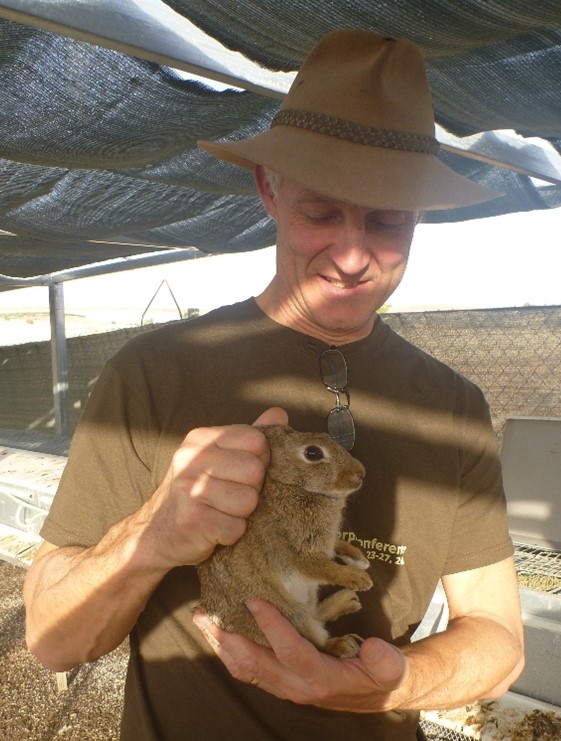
(107, 475)
(480, 534)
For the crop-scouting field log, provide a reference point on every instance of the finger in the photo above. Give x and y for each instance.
(294, 669)
(206, 462)
(280, 633)
(295, 653)
(251, 663)
(385, 664)
(225, 496)
(227, 437)
(272, 416)
(238, 654)
(382, 662)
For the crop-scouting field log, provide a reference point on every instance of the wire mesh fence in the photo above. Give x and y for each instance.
(514, 355)
(538, 568)
(435, 732)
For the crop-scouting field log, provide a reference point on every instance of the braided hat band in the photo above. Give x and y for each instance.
(356, 133)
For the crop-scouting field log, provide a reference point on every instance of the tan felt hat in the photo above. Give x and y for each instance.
(358, 125)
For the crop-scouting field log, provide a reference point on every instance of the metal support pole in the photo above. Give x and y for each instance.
(59, 359)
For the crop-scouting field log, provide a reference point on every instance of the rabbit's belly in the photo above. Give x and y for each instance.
(301, 588)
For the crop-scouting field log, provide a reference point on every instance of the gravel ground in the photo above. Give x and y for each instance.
(31, 707)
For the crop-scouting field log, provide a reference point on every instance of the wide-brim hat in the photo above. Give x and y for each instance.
(358, 125)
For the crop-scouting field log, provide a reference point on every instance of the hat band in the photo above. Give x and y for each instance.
(356, 133)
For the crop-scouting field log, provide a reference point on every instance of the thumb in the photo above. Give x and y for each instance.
(272, 416)
(385, 664)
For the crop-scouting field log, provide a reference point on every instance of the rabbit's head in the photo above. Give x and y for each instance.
(312, 461)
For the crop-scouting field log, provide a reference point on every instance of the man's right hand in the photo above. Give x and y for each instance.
(208, 492)
(82, 602)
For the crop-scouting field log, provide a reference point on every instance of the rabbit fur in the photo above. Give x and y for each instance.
(290, 545)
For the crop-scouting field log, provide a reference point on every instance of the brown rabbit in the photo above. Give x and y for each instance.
(290, 544)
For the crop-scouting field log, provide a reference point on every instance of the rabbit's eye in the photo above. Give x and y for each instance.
(313, 453)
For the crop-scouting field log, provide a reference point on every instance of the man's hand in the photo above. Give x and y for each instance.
(209, 491)
(82, 602)
(479, 655)
(293, 669)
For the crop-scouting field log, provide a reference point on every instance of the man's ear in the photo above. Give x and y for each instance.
(265, 191)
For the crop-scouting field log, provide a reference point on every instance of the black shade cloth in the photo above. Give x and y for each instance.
(99, 145)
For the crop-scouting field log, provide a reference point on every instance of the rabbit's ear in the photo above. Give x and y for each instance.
(274, 430)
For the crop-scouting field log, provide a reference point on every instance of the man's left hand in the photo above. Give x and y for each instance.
(294, 669)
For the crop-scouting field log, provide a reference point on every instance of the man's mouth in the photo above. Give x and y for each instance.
(341, 283)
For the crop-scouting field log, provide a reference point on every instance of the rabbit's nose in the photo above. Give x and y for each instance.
(357, 479)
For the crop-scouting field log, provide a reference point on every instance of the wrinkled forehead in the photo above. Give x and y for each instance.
(303, 196)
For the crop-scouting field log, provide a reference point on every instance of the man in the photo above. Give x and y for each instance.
(346, 169)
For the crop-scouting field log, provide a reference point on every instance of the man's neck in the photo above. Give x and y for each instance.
(282, 313)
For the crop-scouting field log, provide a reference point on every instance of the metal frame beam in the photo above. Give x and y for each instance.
(59, 359)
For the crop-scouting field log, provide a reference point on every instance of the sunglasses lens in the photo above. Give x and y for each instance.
(333, 369)
(341, 426)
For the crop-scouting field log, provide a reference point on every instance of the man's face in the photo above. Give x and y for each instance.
(337, 263)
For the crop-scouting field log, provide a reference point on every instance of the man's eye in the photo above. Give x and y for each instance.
(322, 218)
(387, 218)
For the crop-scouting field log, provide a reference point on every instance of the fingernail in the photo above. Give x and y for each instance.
(254, 605)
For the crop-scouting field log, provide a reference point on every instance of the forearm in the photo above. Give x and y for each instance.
(82, 603)
(475, 658)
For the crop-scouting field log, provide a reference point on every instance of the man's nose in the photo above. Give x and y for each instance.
(350, 253)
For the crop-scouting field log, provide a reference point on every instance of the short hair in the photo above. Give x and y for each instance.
(274, 179)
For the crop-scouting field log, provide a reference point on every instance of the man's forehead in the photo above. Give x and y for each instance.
(305, 195)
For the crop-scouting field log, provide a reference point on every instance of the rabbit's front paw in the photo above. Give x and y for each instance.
(356, 579)
(351, 555)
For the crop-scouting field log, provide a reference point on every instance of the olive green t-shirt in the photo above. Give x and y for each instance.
(432, 502)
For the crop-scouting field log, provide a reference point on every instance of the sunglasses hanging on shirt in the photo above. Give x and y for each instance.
(340, 421)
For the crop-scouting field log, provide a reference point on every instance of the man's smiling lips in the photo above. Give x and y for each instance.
(342, 284)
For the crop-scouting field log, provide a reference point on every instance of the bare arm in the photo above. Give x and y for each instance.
(478, 656)
(82, 602)
(481, 652)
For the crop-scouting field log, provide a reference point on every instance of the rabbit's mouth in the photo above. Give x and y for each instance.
(351, 483)
(340, 493)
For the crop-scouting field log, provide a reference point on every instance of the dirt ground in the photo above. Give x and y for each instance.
(31, 707)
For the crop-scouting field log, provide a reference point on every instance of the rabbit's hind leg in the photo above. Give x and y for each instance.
(344, 647)
(314, 631)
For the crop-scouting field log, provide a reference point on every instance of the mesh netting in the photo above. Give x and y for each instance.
(435, 732)
(95, 144)
(538, 568)
(513, 355)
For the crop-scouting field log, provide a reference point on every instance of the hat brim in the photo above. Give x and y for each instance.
(373, 177)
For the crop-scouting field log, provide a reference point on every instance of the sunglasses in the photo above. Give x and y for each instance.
(340, 422)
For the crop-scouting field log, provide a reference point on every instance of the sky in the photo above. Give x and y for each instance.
(505, 261)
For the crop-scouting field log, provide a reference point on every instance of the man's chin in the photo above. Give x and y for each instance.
(342, 329)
